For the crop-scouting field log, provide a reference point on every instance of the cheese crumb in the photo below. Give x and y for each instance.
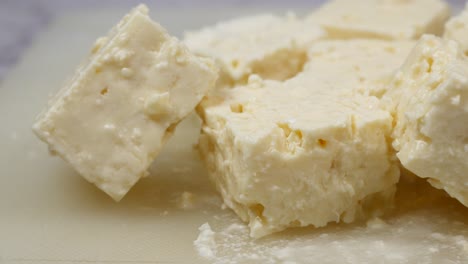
(126, 72)
(162, 65)
(205, 242)
(376, 223)
(186, 200)
(98, 44)
(158, 105)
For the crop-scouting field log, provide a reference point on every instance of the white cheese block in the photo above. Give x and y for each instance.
(273, 47)
(383, 19)
(457, 29)
(112, 119)
(298, 153)
(366, 65)
(431, 99)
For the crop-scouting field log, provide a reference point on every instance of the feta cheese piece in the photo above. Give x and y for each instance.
(298, 153)
(113, 117)
(273, 47)
(366, 65)
(457, 29)
(431, 109)
(383, 19)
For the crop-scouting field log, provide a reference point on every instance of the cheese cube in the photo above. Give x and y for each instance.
(431, 109)
(112, 119)
(457, 29)
(273, 47)
(383, 19)
(298, 153)
(366, 65)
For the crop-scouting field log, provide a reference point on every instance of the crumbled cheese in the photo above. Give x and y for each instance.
(205, 242)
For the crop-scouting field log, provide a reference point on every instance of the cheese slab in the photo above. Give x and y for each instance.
(457, 29)
(365, 65)
(298, 153)
(382, 19)
(112, 119)
(273, 47)
(430, 95)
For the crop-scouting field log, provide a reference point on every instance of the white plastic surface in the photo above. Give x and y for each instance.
(49, 214)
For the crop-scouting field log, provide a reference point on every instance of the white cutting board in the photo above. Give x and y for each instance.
(49, 214)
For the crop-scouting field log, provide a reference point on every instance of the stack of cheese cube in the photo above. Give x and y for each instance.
(309, 120)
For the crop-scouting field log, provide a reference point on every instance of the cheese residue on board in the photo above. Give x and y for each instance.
(399, 239)
(205, 242)
(435, 233)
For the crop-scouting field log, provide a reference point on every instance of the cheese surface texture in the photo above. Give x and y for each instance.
(430, 95)
(298, 153)
(112, 119)
(273, 47)
(383, 19)
(365, 65)
(457, 29)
